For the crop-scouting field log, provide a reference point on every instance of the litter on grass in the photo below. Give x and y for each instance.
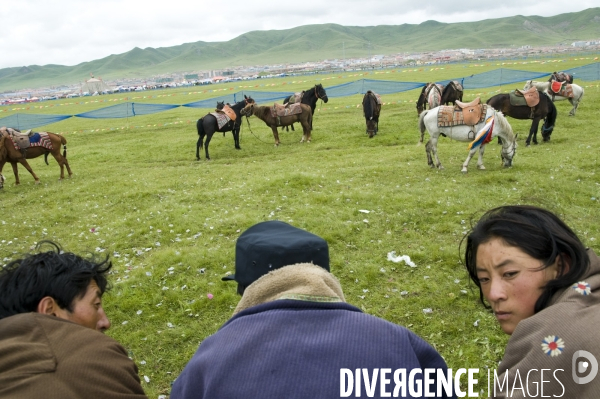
(391, 256)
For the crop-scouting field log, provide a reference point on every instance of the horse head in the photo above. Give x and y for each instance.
(528, 85)
(509, 149)
(321, 93)
(248, 110)
(220, 104)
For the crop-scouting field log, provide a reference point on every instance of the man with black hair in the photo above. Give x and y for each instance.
(50, 305)
(292, 335)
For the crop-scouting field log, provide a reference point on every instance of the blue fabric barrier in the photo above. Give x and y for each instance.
(497, 77)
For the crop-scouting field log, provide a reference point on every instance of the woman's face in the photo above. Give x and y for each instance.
(511, 281)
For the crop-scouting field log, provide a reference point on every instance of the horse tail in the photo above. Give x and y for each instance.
(367, 106)
(200, 127)
(63, 141)
(422, 125)
(551, 116)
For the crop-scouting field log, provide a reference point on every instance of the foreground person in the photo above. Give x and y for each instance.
(543, 286)
(293, 335)
(51, 325)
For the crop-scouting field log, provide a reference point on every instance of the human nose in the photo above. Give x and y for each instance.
(496, 291)
(103, 323)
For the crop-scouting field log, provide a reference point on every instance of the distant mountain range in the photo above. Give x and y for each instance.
(315, 43)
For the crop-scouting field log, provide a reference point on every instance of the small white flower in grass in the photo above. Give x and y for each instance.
(364, 211)
(139, 312)
(427, 310)
(463, 292)
(366, 220)
(100, 250)
(382, 270)
(157, 244)
(170, 325)
(404, 293)
(125, 322)
(456, 281)
(361, 296)
(365, 290)
(476, 324)
(148, 274)
(146, 378)
(165, 288)
(143, 362)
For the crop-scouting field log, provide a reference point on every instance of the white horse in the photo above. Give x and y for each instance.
(428, 120)
(544, 87)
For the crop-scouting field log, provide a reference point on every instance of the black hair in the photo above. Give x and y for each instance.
(537, 232)
(63, 276)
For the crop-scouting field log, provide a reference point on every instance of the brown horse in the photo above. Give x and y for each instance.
(264, 113)
(371, 109)
(8, 153)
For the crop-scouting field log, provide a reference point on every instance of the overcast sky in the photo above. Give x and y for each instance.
(69, 32)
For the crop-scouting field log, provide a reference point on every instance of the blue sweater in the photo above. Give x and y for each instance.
(297, 349)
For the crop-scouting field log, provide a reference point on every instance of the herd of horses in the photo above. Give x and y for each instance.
(301, 107)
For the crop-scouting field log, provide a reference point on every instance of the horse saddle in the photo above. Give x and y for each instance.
(376, 96)
(449, 116)
(296, 98)
(278, 110)
(221, 117)
(22, 141)
(530, 97)
(227, 110)
(471, 111)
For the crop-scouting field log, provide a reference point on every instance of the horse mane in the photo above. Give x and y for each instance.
(504, 125)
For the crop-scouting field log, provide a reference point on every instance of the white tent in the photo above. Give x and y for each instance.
(95, 85)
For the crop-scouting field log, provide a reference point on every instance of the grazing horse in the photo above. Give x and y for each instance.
(309, 97)
(452, 92)
(544, 87)
(371, 109)
(265, 114)
(428, 120)
(544, 109)
(49, 143)
(561, 77)
(430, 95)
(208, 125)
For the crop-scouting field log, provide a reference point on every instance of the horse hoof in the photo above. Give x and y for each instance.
(480, 167)
(36, 182)
(464, 171)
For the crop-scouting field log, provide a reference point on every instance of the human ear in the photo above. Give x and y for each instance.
(47, 305)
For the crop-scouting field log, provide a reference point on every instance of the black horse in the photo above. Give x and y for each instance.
(208, 125)
(310, 97)
(452, 91)
(544, 109)
(561, 77)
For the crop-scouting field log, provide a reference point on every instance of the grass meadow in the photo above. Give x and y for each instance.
(169, 222)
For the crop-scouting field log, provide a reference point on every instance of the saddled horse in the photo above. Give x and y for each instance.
(452, 92)
(208, 125)
(545, 109)
(561, 77)
(309, 97)
(430, 95)
(372, 109)
(573, 93)
(47, 143)
(273, 121)
(494, 124)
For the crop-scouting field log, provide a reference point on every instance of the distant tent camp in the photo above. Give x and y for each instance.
(95, 85)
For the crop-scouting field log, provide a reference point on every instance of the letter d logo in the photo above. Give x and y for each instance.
(583, 366)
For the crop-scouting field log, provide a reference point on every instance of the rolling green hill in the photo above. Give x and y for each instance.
(314, 43)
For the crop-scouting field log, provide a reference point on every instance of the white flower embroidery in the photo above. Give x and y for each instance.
(552, 345)
(582, 287)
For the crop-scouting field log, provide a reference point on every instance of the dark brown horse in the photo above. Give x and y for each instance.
(8, 153)
(264, 113)
(452, 92)
(310, 97)
(544, 109)
(371, 109)
(561, 77)
(208, 125)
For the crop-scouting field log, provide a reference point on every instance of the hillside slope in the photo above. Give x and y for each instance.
(314, 43)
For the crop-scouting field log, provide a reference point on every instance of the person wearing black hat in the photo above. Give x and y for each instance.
(292, 335)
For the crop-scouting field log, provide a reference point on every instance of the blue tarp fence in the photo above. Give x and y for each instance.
(497, 77)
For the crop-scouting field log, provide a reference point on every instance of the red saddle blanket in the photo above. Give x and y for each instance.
(282, 110)
(43, 142)
(562, 89)
(450, 116)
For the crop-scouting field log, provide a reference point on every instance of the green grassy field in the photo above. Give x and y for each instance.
(169, 222)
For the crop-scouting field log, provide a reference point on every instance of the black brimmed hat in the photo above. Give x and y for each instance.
(267, 246)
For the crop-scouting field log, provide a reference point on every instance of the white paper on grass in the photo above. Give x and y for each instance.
(399, 258)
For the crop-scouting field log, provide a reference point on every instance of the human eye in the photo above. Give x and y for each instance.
(510, 274)
(483, 279)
